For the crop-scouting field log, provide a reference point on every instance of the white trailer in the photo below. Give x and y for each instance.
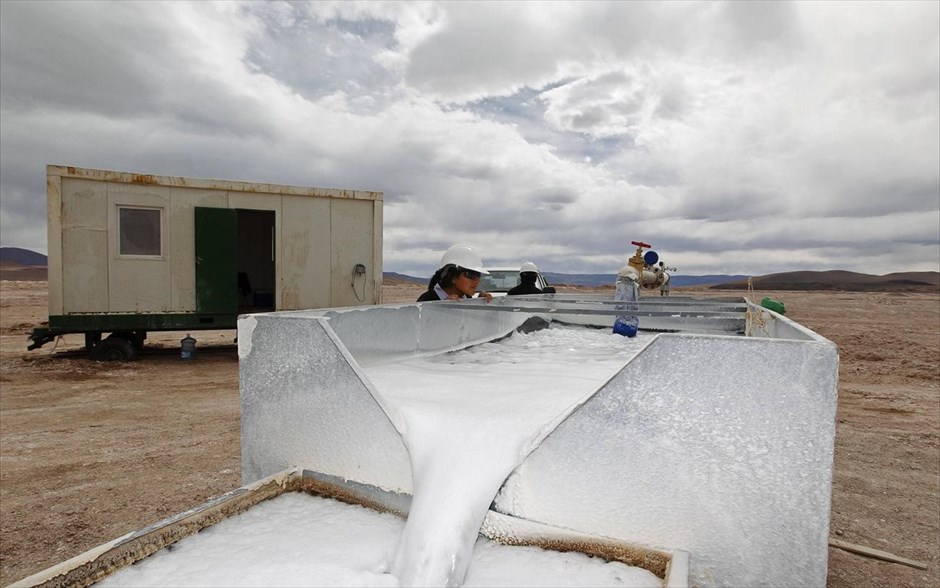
(131, 253)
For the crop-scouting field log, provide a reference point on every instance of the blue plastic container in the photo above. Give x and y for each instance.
(187, 348)
(626, 325)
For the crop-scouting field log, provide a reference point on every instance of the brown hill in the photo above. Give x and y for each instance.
(17, 272)
(391, 280)
(841, 280)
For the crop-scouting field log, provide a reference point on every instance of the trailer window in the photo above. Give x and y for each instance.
(139, 231)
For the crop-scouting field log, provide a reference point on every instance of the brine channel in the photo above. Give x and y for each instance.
(469, 418)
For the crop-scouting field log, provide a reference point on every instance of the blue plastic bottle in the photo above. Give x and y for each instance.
(187, 348)
(626, 324)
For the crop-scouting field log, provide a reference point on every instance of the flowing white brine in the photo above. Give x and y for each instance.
(469, 418)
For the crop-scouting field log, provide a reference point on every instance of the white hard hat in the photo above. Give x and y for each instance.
(528, 267)
(463, 256)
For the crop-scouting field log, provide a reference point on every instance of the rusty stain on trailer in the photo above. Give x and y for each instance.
(143, 179)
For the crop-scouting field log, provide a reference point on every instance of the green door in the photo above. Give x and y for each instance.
(216, 278)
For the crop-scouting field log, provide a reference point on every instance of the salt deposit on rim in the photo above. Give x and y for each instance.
(302, 540)
(467, 428)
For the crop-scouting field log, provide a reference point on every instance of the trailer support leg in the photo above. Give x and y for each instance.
(92, 338)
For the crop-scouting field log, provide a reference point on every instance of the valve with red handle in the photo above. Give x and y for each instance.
(643, 269)
(636, 261)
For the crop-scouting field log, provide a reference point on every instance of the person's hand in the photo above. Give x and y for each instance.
(454, 297)
(487, 295)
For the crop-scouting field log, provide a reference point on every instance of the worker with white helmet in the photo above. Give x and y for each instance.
(457, 277)
(528, 274)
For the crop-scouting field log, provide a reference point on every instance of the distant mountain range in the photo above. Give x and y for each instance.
(19, 263)
(801, 280)
(839, 280)
(393, 277)
(22, 256)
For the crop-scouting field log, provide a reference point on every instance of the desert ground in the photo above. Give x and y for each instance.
(90, 451)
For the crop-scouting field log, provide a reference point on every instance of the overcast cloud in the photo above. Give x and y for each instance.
(740, 137)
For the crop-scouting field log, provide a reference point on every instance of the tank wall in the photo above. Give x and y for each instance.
(390, 332)
(720, 446)
(717, 445)
(305, 403)
(765, 323)
(656, 314)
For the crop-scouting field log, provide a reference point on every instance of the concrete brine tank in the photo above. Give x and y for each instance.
(701, 450)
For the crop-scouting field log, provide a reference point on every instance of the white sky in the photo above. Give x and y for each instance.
(739, 138)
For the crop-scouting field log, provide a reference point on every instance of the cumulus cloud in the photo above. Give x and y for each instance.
(735, 137)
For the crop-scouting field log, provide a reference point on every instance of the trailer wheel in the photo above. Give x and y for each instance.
(136, 339)
(115, 348)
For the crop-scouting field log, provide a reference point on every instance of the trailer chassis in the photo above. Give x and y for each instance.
(125, 332)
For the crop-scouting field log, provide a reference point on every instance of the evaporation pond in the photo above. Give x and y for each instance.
(297, 539)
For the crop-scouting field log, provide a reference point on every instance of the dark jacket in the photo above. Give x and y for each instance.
(429, 296)
(526, 287)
